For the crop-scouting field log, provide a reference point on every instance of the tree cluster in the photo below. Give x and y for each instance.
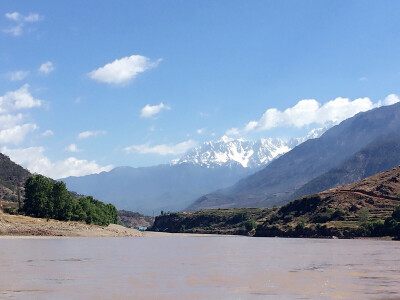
(45, 198)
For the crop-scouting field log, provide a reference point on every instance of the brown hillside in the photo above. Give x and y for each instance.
(379, 193)
(12, 176)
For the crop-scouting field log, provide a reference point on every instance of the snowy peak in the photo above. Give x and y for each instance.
(248, 154)
(228, 152)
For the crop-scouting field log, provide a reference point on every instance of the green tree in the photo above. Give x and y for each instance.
(38, 202)
(60, 197)
(363, 216)
(396, 214)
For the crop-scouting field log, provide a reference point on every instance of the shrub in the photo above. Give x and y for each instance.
(250, 224)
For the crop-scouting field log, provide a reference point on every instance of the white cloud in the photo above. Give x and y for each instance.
(17, 75)
(19, 99)
(21, 20)
(86, 134)
(48, 133)
(162, 149)
(32, 18)
(15, 16)
(233, 131)
(72, 148)
(12, 127)
(46, 67)
(391, 99)
(151, 110)
(123, 70)
(14, 30)
(310, 111)
(33, 159)
(9, 120)
(16, 134)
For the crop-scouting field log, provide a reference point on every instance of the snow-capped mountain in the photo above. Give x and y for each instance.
(228, 152)
(248, 154)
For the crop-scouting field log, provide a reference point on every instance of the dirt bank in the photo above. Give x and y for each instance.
(13, 225)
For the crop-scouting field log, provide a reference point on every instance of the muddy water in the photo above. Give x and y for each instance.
(199, 268)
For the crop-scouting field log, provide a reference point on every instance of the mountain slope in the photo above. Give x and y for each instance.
(276, 183)
(12, 176)
(358, 209)
(376, 157)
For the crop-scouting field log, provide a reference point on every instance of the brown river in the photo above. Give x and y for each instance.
(213, 267)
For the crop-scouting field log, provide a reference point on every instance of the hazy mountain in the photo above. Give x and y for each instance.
(152, 189)
(276, 183)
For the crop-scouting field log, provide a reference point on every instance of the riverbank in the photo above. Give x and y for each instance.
(23, 226)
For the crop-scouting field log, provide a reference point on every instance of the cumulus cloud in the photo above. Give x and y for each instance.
(46, 67)
(13, 130)
(151, 110)
(19, 99)
(310, 111)
(72, 148)
(17, 75)
(15, 134)
(20, 21)
(162, 149)
(34, 160)
(123, 70)
(390, 99)
(86, 134)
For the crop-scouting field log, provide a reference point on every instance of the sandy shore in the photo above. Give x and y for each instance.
(22, 226)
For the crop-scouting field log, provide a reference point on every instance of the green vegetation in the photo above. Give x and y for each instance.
(240, 221)
(45, 198)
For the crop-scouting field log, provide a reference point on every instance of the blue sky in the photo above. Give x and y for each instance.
(85, 86)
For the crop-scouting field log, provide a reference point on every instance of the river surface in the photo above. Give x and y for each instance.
(199, 268)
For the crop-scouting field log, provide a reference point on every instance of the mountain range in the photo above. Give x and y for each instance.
(212, 165)
(287, 177)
